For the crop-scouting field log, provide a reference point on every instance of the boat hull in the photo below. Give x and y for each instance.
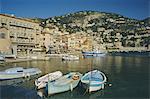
(42, 85)
(93, 87)
(96, 87)
(42, 81)
(94, 80)
(93, 54)
(10, 74)
(63, 84)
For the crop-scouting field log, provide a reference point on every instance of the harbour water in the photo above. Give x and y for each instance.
(128, 77)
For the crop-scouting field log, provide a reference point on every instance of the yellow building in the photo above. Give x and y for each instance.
(4, 41)
(46, 38)
(78, 42)
(23, 34)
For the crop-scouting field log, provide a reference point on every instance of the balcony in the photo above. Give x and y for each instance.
(21, 25)
(22, 41)
(13, 40)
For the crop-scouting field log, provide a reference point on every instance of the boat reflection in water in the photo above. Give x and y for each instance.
(17, 92)
(123, 74)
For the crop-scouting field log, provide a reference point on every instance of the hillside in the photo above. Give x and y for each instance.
(105, 26)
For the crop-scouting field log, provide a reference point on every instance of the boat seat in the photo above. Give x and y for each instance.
(69, 76)
(20, 71)
(62, 82)
(93, 78)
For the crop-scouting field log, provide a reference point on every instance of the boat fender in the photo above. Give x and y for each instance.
(75, 77)
(110, 85)
(24, 75)
(71, 87)
(28, 75)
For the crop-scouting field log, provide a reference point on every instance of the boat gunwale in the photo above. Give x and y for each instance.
(94, 81)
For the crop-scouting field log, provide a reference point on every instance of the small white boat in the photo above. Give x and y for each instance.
(94, 80)
(64, 83)
(18, 72)
(70, 57)
(96, 53)
(42, 81)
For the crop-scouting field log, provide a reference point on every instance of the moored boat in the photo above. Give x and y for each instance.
(87, 53)
(18, 72)
(42, 81)
(99, 53)
(70, 57)
(64, 83)
(93, 53)
(94, 80)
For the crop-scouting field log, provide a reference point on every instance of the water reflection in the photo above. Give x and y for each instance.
(122, 72)
(16, 92)
(13, 81)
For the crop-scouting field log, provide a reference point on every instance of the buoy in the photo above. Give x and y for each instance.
(110, 85)
(75, 77)
(27, 75)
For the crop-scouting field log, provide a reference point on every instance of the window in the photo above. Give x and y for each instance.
(2, 35)
(3, 24)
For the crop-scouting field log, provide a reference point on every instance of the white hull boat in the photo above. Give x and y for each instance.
(42, 81)
(18, 72)
(94, 80)
(64, 83)
(70, 57)
(94, 53)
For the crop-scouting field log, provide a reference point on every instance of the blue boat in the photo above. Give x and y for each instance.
(94, 80)
(65, 83)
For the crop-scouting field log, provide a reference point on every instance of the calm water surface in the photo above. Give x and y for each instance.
(128, 77)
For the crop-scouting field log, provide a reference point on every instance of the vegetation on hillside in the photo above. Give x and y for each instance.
(104, 25)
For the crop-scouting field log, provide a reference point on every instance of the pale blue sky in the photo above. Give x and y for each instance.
(138, 9)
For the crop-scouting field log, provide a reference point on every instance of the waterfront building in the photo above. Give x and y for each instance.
(46, 38)
(24, 37)
(23, 34)
(4, 40)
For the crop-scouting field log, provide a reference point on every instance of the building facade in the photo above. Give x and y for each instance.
(23, 35)
(5, 43)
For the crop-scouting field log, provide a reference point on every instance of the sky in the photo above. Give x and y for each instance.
(137, 9)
